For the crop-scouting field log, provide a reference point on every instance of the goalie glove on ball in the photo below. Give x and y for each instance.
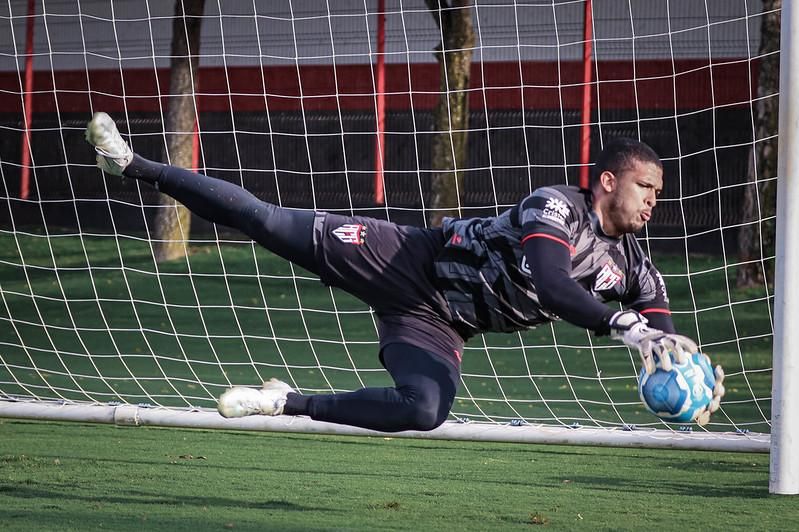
(718, 392)
(630, 327)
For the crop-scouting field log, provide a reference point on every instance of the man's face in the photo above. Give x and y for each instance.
(632, 195)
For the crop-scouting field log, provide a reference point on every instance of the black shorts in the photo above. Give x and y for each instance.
(391, 268)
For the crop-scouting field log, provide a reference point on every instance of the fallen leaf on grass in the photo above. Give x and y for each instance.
(391, 505)
(538, 519)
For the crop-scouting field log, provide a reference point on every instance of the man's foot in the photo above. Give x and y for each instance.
(266, 401)
(113, 153)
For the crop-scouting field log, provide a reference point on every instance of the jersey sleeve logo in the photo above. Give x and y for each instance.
(351, 233)
(609, 276)
(661, 286)
(524, 267)
(556, 210)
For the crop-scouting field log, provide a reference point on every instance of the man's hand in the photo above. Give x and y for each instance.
(630, 327)
(718, 393)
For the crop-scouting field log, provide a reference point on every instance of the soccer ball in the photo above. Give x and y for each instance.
(678, 395)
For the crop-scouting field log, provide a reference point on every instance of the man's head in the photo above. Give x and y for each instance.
(625, 183)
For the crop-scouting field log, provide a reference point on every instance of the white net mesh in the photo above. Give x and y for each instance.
(287, 99)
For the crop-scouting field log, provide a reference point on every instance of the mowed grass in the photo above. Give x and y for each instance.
(56, 476)
(94, 318)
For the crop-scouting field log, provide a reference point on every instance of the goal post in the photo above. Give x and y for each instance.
(784, 459)
(291, 106)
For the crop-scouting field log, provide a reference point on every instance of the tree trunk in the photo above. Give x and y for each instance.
(756, 238)
(451, 115)
(173, 222)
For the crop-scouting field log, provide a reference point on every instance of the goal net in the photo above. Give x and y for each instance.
(333, 106)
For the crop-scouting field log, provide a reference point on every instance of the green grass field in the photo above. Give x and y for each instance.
(93, 318)
(57, 476)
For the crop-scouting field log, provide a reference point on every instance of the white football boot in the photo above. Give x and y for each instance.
(113, 153)
(268, 400)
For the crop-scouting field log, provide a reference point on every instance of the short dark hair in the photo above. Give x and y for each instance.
(619, 155)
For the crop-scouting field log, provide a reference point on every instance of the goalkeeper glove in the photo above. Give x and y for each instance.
(630, 327)
(718, 393)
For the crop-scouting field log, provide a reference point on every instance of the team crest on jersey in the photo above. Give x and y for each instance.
(351, 233)
(524, 267)
(609, 276)
(556, 210)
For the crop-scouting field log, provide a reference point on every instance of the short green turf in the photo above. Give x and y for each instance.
(67, 476)
(94, 318)
(99, 319)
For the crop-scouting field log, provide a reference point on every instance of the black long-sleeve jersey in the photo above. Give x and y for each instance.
(544, 259)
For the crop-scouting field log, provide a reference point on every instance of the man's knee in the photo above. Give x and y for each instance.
(425, 420)
(426, 412)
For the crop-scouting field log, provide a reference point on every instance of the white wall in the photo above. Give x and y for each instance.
(73, 34)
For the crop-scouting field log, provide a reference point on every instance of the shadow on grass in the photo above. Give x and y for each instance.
(139, 497)
(662, 487)
(688, 483)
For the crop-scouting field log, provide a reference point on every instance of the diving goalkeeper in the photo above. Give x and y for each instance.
(560, 253)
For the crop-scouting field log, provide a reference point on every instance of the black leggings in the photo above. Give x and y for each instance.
(286, 232)
(425, 386)
(425, 383)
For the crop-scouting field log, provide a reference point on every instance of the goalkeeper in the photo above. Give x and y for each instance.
(560, 253)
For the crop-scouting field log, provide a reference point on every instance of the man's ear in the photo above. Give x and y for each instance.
(607, 180)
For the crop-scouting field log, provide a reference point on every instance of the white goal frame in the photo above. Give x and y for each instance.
(784, 459)
(781, 443)
(133, 415)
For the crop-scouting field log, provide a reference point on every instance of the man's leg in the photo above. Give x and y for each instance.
(425, 383)
(421, 400)
(286, 232)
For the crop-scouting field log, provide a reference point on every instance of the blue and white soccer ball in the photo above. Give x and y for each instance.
(678, 396)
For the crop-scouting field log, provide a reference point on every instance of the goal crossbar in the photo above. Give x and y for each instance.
(133, 415)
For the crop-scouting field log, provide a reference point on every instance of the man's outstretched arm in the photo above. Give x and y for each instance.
(550, 263)
(549, 258)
